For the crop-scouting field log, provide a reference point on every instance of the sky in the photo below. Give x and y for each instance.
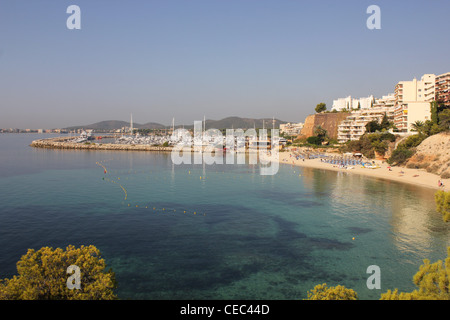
(186, 59)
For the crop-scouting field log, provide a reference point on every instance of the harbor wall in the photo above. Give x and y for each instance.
(64, 143)
(328, 121)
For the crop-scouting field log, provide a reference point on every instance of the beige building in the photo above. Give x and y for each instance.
(412, 101)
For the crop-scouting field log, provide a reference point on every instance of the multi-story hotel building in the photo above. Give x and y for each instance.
(354, 126)
(442, 89)
(412, 101)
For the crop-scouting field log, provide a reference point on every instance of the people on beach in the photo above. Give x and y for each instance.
(440, 183)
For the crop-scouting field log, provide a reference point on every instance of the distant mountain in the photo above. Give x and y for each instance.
(117, 124)
(241, 123)
(150, 125)
(226, 123)
(103, 125)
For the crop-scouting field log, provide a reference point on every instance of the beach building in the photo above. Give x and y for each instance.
(412, 101)
(354, 126)
(291, 129)
(442, 88)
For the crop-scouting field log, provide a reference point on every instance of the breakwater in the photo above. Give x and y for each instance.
(65, 143)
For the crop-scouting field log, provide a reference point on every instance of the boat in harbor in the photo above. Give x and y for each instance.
(84, 137)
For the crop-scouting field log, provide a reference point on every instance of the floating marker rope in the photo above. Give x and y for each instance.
(105, 170)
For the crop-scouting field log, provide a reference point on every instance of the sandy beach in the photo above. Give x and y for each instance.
(416, 177)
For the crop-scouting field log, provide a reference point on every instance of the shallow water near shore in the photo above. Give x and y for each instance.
(214, 231)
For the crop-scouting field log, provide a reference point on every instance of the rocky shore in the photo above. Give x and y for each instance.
(65, 143)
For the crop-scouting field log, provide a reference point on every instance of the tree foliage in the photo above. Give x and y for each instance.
(442, 199)
(444, 119)
(399, 156)
(434, 109)
(383, 125)
(406, 149)
(42, 275)
(432, 280)
(369, 143)
(321, 107)
(320, 132)
(314, 140)
(418, 126)
(323, 292)
(373, 126)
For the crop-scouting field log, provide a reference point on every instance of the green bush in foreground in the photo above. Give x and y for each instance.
(323, 292)
(43, 276)
(442, 200)
(432, 280)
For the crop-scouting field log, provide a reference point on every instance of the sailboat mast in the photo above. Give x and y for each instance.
(131, 125)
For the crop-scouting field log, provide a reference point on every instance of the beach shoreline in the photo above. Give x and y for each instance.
(417, 177)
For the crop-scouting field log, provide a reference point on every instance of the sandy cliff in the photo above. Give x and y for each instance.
(433, 155)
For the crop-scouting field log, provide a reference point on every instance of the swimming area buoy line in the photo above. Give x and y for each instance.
(117, 181)
(146, 206)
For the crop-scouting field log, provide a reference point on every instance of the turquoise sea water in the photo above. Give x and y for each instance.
(214, 231)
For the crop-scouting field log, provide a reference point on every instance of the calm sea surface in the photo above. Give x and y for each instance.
(214, 231)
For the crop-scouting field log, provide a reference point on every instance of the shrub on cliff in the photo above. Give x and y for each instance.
(406, 149)
(399, 156)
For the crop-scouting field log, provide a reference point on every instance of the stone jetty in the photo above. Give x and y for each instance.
(65, 143)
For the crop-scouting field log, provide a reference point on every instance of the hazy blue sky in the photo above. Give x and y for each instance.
(189, 58)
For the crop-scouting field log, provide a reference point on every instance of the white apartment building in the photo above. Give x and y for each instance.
(354, 126)
(291, 129)
(412, 101)
(351, 103)
(385, 101)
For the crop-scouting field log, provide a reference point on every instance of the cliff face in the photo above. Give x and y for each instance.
(433, 155)
(328, 121)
